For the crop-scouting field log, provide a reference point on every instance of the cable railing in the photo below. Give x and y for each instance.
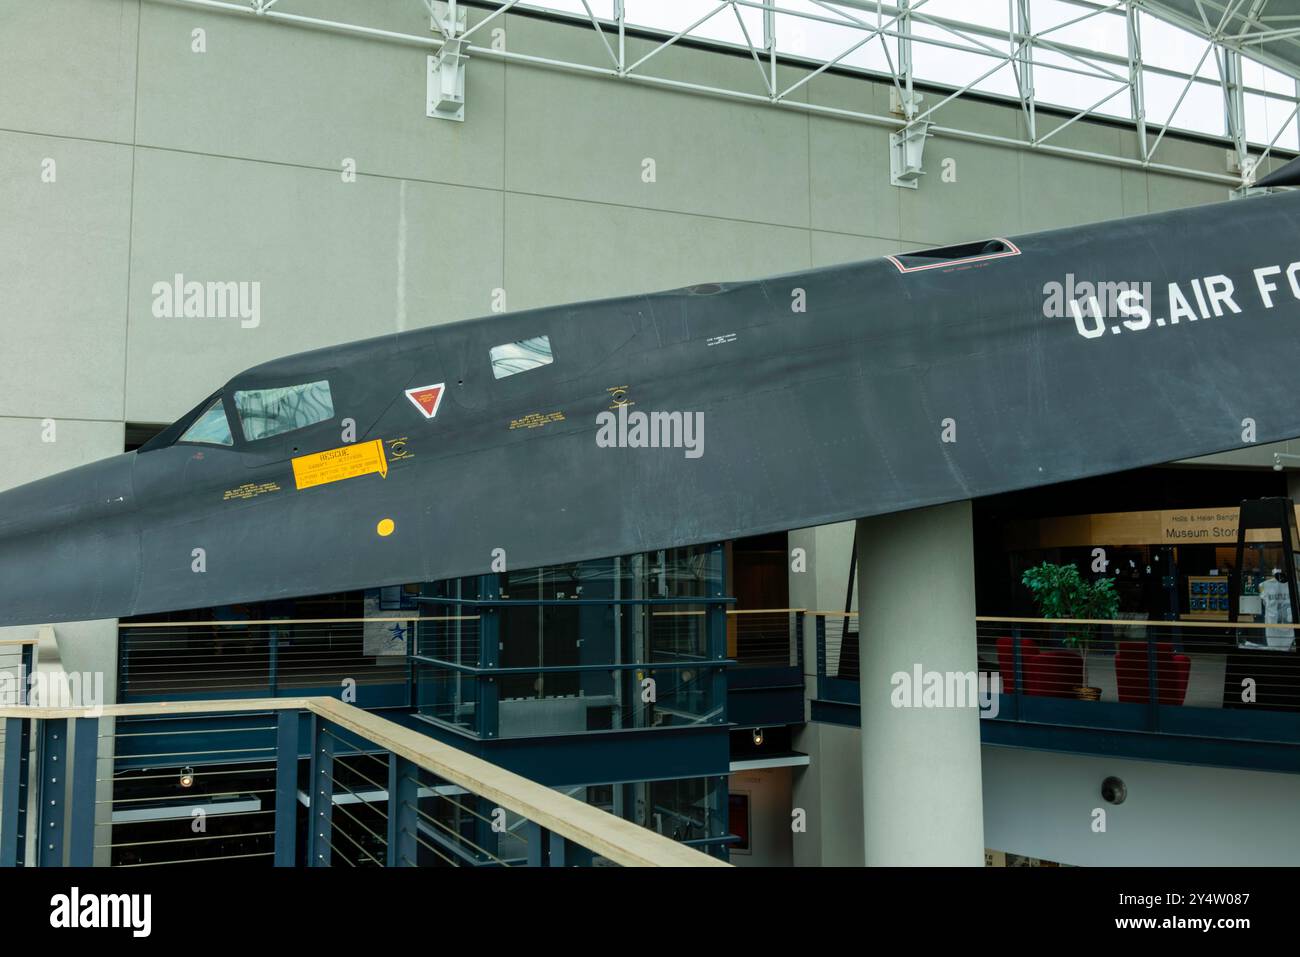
(224, 784)
(498, 667)
(767, 638)
(759, 637)
(1226, 681)
(17, 657)
(836, 637)
(211, 659)
(1220, 666)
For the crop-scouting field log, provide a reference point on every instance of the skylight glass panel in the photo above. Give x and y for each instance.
(673, 16)
(815, 38)
(1265, 116)
(1079, 83)
(1201, 110)
(957, 68)
(1102, 33)
(994, 14)
(602, 9)
(1173, 48)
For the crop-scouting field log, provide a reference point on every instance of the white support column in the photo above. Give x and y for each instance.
(1025, 58)
(1137, 91)
(1234, 104)
(922, 793)
(905, 58)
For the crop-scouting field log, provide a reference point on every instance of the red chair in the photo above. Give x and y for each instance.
(1051, 674)
(1131, 673)
(1007, 661)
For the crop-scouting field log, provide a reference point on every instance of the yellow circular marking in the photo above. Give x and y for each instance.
(385, 527)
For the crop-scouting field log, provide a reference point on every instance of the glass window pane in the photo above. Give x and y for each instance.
(267, 412)
(1104, 32)
(1173, 48)
(677, 15)
(1265, 78)
(985, 13)
(1201, 110)
(1265, 115)
(523, 356)
(1056, 82)
(819, 40)
(942, 64)
(211, 427)
(603, 9)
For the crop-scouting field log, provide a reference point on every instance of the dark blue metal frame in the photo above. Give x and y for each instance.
(13, 812)
(320, 822)
(286, 788)
(403, 804)
(51, 791)
(85, 762)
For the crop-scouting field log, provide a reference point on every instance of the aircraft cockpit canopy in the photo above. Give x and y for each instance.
(261, 414)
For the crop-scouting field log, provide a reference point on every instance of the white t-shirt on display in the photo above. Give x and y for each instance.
(1277, 610)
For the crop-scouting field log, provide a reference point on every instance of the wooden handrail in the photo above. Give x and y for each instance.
(156, 708)
(1136, 622)
(610, 837)
(270, 621)
(729, 611)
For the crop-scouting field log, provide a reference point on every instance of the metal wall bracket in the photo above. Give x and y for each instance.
(446, 82)
(448, 17)
(905, 104)
(906, 148)
(445, 86)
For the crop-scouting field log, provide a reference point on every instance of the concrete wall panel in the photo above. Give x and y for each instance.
(63, 255)
(335, 262)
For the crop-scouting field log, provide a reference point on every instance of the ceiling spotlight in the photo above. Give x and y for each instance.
(187, 778)
(758, 737)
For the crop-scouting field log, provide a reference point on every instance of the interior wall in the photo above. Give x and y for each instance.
(771, 840)
(1045, 804)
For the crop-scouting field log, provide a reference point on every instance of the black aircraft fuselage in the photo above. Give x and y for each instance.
(782, 403)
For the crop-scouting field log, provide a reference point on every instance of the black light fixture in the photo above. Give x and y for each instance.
(1113, 790)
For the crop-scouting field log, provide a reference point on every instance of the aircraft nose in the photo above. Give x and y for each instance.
(69, 546)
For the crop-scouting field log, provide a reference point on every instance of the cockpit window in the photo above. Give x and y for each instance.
(522, 356)
(210, 428)
(267, 412)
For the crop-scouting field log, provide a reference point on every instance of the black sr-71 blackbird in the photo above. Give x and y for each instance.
(684, 417)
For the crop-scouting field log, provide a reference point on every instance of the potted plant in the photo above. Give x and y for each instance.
(1061, 592)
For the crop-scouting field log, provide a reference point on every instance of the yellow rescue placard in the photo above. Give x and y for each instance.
(336, 465)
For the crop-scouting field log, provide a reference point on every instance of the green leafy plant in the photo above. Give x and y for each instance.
(1061, 592)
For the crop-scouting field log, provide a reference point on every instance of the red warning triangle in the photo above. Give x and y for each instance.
(426, 398)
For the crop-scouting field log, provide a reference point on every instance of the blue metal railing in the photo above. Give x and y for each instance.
(371, 793)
